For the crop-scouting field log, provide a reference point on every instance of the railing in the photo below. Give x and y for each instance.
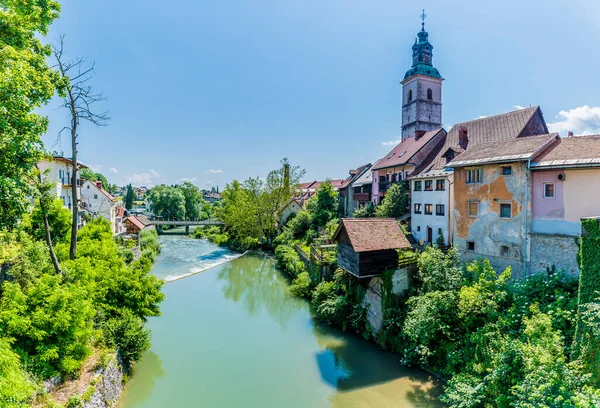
(362, 196)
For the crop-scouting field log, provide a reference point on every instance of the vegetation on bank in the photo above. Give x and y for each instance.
(180, 202)
(498, 342)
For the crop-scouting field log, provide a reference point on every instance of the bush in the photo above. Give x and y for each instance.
(301, 285)
(289, 261)
(300, 224)
(129, 336)
(16, 387)
(127, 255)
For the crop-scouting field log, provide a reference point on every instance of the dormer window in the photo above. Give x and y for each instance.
(463, 139)
(410, 95)
(429, 94)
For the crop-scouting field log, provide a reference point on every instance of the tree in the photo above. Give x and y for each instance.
(16, 387)
(368, 211)
(439, 271)
(323, 206)
(129, 197)
(78, 99)
(395, 204)
(26, 83)
(168, 202)
(194, 202)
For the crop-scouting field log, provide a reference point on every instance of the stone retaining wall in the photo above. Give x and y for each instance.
(108, 387)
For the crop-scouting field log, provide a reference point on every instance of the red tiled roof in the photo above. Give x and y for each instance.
(135, 222)
(573, 151)
(490, 129)
(120, 212)
(373, 234)
(521, 149)
(405, 150)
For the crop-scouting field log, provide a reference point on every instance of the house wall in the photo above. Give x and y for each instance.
(60, 173)
(291, 208)
(97, 203)
(376, 195)
(420, 222)
(582, 194)
(488, 231)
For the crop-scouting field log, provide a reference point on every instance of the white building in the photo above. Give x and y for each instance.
(59, 170)
(431, 205)
(97, 202)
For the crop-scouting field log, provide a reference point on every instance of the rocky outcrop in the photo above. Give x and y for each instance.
(109, 385)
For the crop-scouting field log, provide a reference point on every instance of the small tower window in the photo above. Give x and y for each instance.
(410, 95)
(429, 94)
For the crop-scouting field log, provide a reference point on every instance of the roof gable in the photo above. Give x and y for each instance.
(373, 234)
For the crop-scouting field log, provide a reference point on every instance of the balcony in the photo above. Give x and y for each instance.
(362, 196)
(383, 186)
(66, 180)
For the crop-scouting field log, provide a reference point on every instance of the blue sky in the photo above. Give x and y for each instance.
(212, 91)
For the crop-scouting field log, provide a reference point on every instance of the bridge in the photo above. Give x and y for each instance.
(186, 224)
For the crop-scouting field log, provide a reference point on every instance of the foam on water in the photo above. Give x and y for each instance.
(205, 266)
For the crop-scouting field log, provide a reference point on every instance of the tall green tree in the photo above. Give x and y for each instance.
(129, 197)
(26, 83)
(193, 201)
(168, 202)
(323, 205)
(395, 204)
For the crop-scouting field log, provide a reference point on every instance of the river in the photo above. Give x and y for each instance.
(233, 336)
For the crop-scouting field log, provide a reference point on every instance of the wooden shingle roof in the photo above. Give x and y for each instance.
(373, 234)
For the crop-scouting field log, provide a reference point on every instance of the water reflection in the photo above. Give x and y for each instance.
(255, 282)
(152, 368)
(363, 374)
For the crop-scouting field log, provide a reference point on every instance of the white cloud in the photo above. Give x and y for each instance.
(391, 142)
(191, 180)
(214, 171)
(518, 107)
(95, 167)
(113, 170)
(583, 120)
(147, 179)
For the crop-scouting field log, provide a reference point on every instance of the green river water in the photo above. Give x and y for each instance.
(233, 336)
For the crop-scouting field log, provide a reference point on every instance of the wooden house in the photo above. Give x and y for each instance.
(368, 246)
(135, 224)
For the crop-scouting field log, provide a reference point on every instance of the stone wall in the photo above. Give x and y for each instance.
(108, 387)
(548, 250)
(372, 301)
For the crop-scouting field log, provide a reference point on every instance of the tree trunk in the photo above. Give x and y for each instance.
(49, 238)
(75, 204)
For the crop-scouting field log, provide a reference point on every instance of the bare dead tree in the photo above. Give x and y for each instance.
(79, 99)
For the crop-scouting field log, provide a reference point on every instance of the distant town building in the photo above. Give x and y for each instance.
(346, 191)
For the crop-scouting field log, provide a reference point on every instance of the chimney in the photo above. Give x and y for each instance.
(418, 134)
(99, 184)
(570, 134)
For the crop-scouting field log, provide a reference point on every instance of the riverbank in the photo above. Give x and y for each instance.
(235, 336)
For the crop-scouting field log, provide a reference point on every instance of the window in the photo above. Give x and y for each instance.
(463, 139)
(440, 185)
(548, 190)
(88, 187)
(504, 250)
(473, 176)
(417, 208)
(439, 209)
(410, 95)
(418, 186)
(428, 185)
(429, 94)
(95, 196)
(440, 232)
(505, 210)
(418, 228)
(428, 209)
(506, 170)
(473, 208)
(471, 245)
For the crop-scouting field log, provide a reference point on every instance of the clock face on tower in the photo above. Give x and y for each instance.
(427, 58)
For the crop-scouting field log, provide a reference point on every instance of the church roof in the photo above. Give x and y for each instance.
(405, 150)
(423, 69)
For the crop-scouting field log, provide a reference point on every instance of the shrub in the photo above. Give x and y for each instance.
(129, 336)
(73, 402)
(301, 285)
(300, 224)
(289, 261)
(127, 255)
(439, 271)
(16, 387)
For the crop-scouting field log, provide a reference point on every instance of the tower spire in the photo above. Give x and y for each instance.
(423, 16)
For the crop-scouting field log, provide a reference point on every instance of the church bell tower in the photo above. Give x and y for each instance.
(421, 89)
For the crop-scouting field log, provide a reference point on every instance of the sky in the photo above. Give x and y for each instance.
(215, 90)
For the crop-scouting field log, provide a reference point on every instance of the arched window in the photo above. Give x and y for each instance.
(429, 94)
(410, 95)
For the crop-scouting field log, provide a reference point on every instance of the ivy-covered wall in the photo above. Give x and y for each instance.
(587, 344)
